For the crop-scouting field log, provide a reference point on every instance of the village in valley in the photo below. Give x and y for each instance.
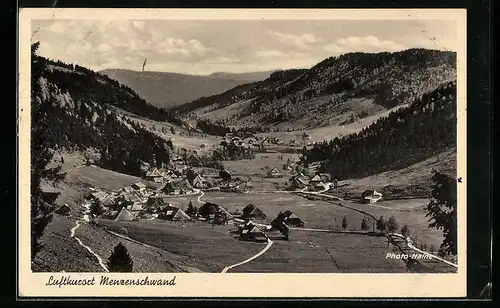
(338, 167)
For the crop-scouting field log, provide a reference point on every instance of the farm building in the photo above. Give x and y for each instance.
(225, 174)
(252, 211)
(130, 197)
(50, 195)
(136, 207)
(253, 233)
(125, 215)
(63, 210)
(154, 175)
(298, 182)
(244, 187)
(274, 173)
(208, 209)
(98, 196)
(139, 186)
(321, 186)
(316, 179)
(294, 143)
(177, 187)
(200, 182)
(288, 218)
(127, 189)
(173, 213)
(371, 196)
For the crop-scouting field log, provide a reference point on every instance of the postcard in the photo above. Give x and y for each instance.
(281, 153)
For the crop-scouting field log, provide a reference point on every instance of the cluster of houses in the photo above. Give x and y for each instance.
(319, 182)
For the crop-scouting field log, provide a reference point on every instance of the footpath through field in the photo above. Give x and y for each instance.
(77, 225)
(269, 244)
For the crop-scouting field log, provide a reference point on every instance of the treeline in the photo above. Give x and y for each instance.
(86, 84)
(389, 79)
(241, 92)
(72, 118)
(218, 128)
(406, 136)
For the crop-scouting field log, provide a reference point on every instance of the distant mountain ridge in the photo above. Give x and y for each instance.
(167, 90)
(334, 92)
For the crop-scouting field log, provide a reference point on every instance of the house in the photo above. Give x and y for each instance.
(225, 174)
(110, 214)
(316, 179)
(274, 173)
(98, 196)
(127, 189)
(167, 212)
(294, 143)
(180, 215)
(139, 186)
(253, 233)
(63, 210)
(200, 182)
(288, 218)
(50, 196)
(298, 182)
(208, 209)
(136, 207)
(321, 186)
(287, 167)
(371, 196)
(130, 197)
(154, 176)
(125, 215)
(252, 211)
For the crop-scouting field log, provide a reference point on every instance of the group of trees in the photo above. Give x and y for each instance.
(77, 115)
(406, 136)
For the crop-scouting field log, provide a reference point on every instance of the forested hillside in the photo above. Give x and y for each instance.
(352, 85)
(72, 108)
(409, 135)
(167, 90)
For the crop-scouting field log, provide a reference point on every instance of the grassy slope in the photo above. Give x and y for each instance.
(63, 253)
(413, 181)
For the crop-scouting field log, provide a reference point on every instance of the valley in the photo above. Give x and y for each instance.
(126, 166)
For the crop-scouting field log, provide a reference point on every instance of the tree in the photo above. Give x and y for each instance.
(442, 210)
(344, 223)
(392, 225)
(191, 209)
(364, 224)
(381, 224)
(40, 156)
(119, 260)
(172, 130)
(405, 231)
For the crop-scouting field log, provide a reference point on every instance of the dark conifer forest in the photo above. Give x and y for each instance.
(408, 135)
(78, 112)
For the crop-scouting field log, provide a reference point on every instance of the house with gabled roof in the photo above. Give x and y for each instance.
(316, 179)
(139, 186)
(274, 173)
(154, 175)
(252, 211)
(251, 232)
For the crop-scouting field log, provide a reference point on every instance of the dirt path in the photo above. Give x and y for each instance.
(101, 263)
(269, 244)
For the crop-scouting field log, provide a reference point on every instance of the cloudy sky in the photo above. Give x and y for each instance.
(202, 47)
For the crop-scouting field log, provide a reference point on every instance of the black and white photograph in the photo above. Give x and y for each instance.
(244, 145)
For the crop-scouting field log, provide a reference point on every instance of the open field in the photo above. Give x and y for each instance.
(213, 249)
(207, 249)
(315, 252)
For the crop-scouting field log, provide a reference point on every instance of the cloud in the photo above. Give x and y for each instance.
(303, 41)
(363, 44)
